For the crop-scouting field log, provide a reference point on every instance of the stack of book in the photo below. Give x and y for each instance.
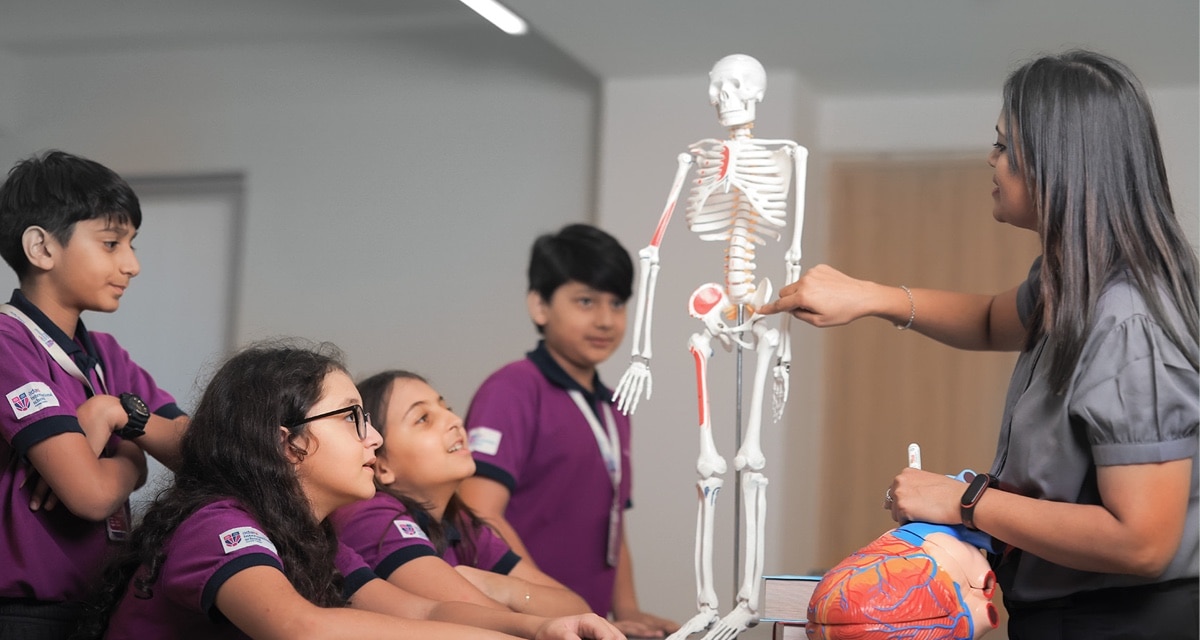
(788, 631)
(785, 602)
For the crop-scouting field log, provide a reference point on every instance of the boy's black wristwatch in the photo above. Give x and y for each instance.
(138, 414)
(979, 484)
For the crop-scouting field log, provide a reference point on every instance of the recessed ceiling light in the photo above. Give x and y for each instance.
(498, 15)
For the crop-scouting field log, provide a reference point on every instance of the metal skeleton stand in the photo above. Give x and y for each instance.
(737, 442)
(739, 197)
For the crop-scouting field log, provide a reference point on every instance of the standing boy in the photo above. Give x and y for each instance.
(552, 453)
(79, 413)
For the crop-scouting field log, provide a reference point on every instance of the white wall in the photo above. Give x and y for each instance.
(909, 123)
(1178, 114)
(392, 186)
(9, 76)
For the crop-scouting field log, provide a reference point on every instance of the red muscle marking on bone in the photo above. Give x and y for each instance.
(705, 299)
(662, 225)
(700, 388)
(724, 161)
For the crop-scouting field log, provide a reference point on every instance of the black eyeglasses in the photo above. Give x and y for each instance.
(361, 419)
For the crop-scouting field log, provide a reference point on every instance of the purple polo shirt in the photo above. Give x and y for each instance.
(527, 434)
(387, 536)
(53, 555)
(207, 549)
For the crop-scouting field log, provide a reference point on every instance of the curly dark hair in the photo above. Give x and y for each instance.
(232, 450)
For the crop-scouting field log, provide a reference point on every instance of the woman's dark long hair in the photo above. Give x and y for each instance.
(1088, 145)
(376, 392)
(232, 449)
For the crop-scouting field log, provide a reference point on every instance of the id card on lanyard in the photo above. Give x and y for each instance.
(118, 524)
(609, 443)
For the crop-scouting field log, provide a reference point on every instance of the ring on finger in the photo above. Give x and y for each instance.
(887, 496)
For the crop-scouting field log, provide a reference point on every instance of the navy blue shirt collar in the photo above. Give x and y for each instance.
(85, 356)
(545, 363)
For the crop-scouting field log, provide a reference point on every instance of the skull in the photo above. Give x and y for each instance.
(736, 83)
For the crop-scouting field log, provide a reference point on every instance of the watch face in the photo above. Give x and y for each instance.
(134, 404)
(138, 415)
(976, 489)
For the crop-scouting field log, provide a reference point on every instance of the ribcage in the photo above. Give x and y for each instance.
(739, 197)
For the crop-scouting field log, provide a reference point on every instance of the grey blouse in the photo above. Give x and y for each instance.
(1133, 399)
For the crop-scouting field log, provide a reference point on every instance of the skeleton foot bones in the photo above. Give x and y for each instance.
(733, 624)
(699, 622)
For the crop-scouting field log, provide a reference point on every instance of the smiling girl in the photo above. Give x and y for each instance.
(416, 532)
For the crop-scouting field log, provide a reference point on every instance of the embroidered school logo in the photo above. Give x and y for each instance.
(30, 399)
(409, 529)
(243, 537)
(485, 440)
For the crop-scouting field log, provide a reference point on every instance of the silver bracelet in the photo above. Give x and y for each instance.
(912, 310)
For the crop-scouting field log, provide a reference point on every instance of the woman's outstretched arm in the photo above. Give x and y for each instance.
(826, 297)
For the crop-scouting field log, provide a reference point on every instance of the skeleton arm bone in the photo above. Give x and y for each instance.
(636, 378)
(792, 268)
(800, 164)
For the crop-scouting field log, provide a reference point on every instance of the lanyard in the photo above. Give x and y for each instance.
(610, 450)
(117, 524)
(60, 356)
(609, 443)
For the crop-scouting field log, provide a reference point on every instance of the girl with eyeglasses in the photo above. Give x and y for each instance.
(240, 545)
(416, 532)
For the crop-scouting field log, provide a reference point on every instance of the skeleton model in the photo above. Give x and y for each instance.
(739, 197)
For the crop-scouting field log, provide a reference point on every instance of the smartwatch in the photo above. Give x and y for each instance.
(979, 484)
(139, 415)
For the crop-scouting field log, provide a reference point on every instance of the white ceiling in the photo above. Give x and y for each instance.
(838, 46)
(872, 46)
